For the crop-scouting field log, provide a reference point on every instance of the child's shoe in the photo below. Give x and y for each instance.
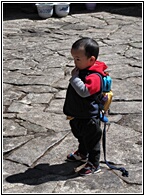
(76, 156)
(89, 169)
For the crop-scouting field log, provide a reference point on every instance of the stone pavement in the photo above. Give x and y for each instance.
(36, 69)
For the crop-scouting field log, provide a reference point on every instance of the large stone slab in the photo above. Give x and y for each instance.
(36, 89)
(133, 121)
(10, 167)
(33, 98)
(10, 95)
(51, 121)
(35, 148)
(19, 107)
(33, 128)
(127, 107)
(56, 106)
(18, 64)
(18, 79)
(10, 144)
(122, 145)
(68, 144)
(127, 90)
(11, 128)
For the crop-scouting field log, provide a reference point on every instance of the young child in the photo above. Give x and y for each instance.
(81, 106)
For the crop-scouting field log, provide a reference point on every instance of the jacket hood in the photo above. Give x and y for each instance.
(98, 67)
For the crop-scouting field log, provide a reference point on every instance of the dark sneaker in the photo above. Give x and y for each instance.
(89, 169)
(76, 156)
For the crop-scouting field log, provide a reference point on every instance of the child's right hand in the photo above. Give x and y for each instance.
(75, 71)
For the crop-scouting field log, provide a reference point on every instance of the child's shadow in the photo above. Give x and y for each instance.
(44, 172)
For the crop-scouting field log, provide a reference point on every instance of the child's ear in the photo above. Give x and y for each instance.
(93, 59)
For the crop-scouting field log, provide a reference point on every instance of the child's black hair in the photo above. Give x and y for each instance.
(90, 46)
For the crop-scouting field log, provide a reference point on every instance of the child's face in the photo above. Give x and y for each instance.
(81, 60)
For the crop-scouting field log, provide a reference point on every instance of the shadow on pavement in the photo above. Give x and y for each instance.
(43, 173)
(13, 11)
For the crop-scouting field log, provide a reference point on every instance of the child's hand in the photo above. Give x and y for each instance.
(75, 71)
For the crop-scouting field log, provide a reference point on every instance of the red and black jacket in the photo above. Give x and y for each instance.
(82, 92)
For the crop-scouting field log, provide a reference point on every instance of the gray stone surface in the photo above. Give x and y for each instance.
(36, 69)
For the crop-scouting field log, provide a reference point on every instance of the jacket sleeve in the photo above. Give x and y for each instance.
(91, 86)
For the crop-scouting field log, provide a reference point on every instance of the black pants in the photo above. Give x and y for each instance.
(88, 133)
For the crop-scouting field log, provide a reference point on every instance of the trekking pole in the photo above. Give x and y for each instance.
(125, 173)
